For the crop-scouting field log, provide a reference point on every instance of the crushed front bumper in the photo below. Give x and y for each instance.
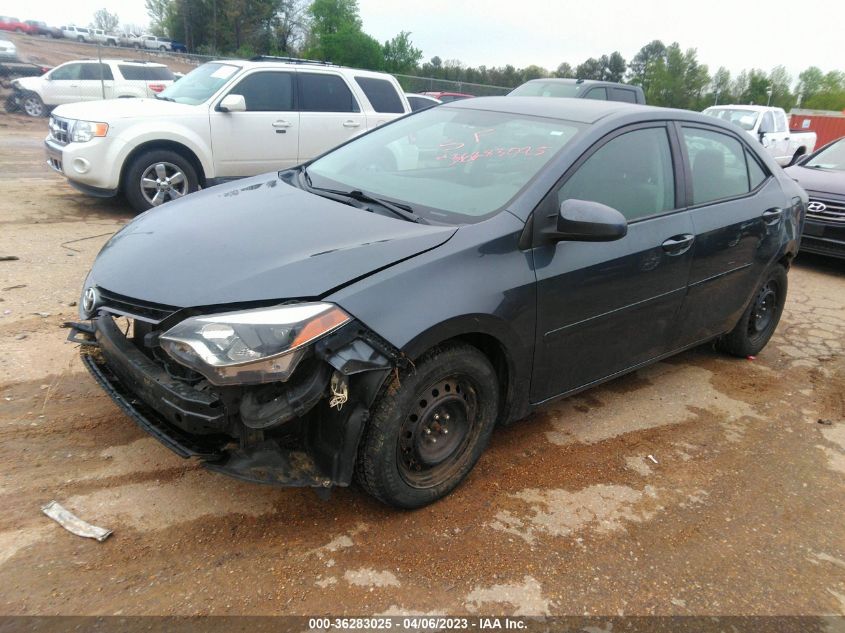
(199, 424)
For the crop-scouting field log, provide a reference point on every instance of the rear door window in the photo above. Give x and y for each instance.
(623, 94)
(718, 162)
(319, 92)
(597, 93)
(381, 94)
(91, 72)
(266, 91)
(145, 73)
(632, 173)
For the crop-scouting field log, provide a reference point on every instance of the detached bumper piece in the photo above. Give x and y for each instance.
(198, 424)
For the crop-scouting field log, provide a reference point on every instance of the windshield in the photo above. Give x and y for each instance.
(451, 165)
(547, 89)
(831, 157)
(199, 84)
(746, 119)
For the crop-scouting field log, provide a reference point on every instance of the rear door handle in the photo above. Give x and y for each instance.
(351, 123)
(772, 216)
(282, 123)
(678, 244)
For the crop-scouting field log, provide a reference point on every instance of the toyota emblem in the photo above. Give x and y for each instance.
(90, 298)
(816, 207)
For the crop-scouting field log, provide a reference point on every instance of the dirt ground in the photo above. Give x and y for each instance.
(701, 485)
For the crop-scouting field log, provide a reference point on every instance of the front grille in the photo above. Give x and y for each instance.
(134, 308)
(59, 130)
(828, 210)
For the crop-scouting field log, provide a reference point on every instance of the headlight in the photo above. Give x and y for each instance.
(253, 346)
(84, 131)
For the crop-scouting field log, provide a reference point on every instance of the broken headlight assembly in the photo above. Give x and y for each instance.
(251, 346)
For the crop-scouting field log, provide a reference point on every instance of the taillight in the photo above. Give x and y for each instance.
(156, 87)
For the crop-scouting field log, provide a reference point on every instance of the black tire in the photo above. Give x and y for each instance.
(147, 163)
(32, 105)
(760, 319)
(398, 460)
(10, 105)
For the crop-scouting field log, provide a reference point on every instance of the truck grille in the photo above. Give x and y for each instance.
(59, 130)
(828, 210)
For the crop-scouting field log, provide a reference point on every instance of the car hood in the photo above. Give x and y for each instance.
(819, 180)
(111, 109)
(257, 240)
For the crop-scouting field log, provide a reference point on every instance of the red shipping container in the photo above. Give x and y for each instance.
(827, 124)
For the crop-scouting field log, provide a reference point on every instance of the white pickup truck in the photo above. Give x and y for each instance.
(223, 120)
(770, 126)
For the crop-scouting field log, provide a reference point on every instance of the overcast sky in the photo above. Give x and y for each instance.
(738, 35)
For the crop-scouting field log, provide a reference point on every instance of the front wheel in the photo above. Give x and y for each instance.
(429, 428)
(158, 176)
(33, 105)
(760, 319)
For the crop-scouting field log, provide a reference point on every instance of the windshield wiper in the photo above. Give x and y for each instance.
(158, 96)
(404, 211)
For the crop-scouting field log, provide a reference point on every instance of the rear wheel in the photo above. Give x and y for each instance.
(760, 319)
(158, 176)
(429, 428)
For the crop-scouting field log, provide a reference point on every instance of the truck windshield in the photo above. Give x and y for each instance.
(831, 157)
(547, 89)
(746, 119)
(451, 165)
(199, 84)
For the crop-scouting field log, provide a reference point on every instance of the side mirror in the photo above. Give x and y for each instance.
(585, 221)
(232, 103)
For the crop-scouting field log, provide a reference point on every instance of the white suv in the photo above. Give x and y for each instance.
(89, 80)
(224, 120)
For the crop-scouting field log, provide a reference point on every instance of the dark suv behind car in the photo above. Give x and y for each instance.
(580, 89)
(377, 311)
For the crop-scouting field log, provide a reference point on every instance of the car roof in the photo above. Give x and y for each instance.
(583, 110)
(581, 82)
(115, 61)
(753, 108)
(578, 110)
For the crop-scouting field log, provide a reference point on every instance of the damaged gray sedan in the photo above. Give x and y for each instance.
(373, 314)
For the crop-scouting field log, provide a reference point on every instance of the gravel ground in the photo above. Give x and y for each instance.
(700, 485)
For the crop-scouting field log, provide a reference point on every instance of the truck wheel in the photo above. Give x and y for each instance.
(33, 105)
(158, 176)
(162, 48)
(429, 428)
(760, 319)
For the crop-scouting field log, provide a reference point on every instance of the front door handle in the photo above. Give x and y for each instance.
(282, 123)
(772, 216)
(678, 244)
(351, 123)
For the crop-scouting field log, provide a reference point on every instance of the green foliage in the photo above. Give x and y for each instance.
(400, 56)
(670, 76)
(105, 20)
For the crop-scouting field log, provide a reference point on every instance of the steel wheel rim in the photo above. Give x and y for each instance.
(32, 106)
(763, 313)
(163, 181)
(437, 432)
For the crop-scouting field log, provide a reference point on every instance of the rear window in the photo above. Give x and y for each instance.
(145, 73)
(381, 93)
